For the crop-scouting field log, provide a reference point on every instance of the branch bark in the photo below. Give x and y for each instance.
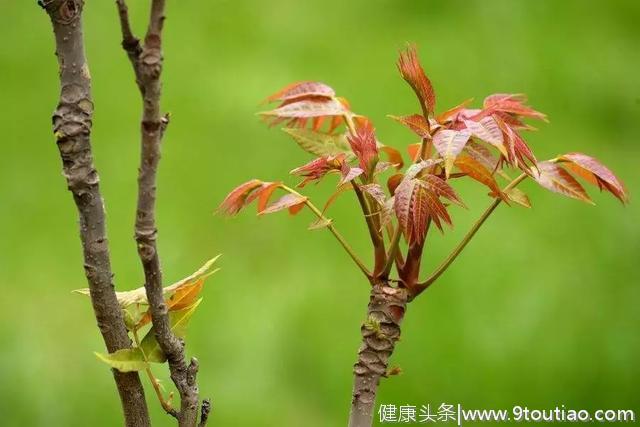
(72, 122)
(380, 333)
(146, 60)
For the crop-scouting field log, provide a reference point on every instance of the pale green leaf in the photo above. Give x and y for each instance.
(318, 143)
(125, 360)
(139, 295)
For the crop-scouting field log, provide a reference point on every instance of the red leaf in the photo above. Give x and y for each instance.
(375, 191)
(518, 152)
(363, 144)
(308, 108)
(596, 173)
(318, 168)
(284, 202)
(413, 170)
(512, 103)
(302, 90)
(486, 129)
(451, 113)
(415, 122)
(449, 143)
(552, 177)
(349, 173)
(442, 189)
(236, 200)
(482, 155)
(412, 73)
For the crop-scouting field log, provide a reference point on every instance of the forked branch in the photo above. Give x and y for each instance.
(467, 238)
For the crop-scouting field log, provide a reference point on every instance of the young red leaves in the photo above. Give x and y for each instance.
(449, 143)
(556, 178)
(417, 200)
(302, 90)
(363, 144)
(254, 189)
(595, 173)
(412, 72)
(552, 177)
(304, 101)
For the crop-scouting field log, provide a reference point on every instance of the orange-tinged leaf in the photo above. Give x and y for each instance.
(553, 177)
(393, 181)
(294, 209)
(394, 156)
(414, 151)
(449, 143)
(415, 122)
(182, 298)
(302, 90)
(478, 172)
(284, 202)
(412, 73)
(595, 173)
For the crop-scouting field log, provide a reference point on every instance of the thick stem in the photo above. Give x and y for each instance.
(147, 66)
(380, 333)
(72, 126)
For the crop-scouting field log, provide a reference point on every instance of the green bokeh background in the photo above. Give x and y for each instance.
(540, 310)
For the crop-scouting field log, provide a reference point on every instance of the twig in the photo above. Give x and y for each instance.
(333, 231)
(147, 66)
(166, 404)
(467, 238)
(72, 128)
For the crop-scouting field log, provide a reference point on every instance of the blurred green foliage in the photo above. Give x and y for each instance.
(540, 310)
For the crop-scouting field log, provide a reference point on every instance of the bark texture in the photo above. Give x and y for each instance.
(72, 122)
(380, 332)
(146, 60)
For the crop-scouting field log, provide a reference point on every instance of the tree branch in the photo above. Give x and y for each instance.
(466, 239)
(333, 231)
(147, 66)
(72, 121)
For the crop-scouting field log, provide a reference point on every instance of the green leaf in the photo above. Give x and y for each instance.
(318, 143)
(518, 196)
(178, 321)
(320, 223)
(125, 360)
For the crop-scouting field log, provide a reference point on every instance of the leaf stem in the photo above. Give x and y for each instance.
(166, 404)
(391, 254)
(465, 240)
(333, 231)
